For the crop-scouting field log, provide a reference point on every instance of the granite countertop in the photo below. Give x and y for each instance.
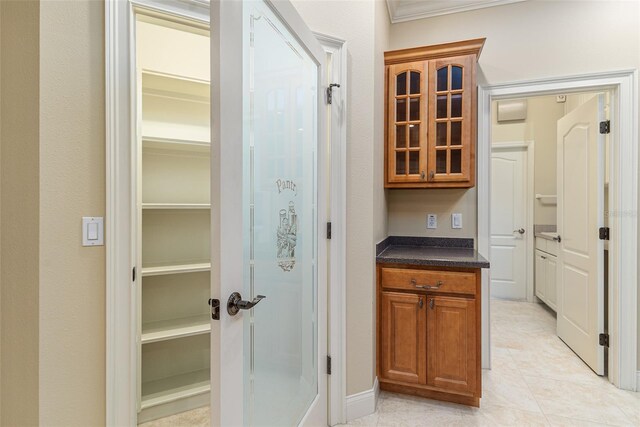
(430, 251)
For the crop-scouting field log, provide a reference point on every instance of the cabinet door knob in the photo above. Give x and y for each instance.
(431, 303)
(431, 174)
(422, 176)
(420, 302)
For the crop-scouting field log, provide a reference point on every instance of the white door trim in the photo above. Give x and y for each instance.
(623, 204)
(529, 147)
(120, 256)
(338, 217)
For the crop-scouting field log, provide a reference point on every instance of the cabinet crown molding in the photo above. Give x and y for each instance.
(423, 53)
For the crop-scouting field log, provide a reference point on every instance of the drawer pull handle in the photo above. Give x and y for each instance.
(437, 285)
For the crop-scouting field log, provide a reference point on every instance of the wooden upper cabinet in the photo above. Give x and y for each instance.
(431, 116)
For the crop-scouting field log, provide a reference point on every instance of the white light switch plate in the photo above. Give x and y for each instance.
(456, 220)
(432, 221)
(92, 231)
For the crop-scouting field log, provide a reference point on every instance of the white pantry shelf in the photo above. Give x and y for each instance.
(192, 145)
(176, 206)
(175, 388)
(175, 328)
(159, 270)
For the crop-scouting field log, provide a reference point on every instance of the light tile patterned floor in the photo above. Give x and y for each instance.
(536, 380)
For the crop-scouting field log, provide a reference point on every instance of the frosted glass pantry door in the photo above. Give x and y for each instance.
(270, 204)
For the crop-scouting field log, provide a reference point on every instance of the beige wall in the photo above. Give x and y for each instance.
(540, 126)
(362, 25)
(408, 211)
(72, 185)
(19, 193)
(517, 49)
(382, 26)
(53, 173)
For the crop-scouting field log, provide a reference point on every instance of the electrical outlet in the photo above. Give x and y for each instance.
(456, 220)
(432, 221)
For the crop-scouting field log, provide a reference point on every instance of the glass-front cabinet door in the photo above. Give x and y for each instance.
(407, 122)
(450, 119)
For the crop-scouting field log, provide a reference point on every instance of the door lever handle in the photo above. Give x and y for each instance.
(235, 303)
(519, 230)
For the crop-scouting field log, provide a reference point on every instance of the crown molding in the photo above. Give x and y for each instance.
(410, 10)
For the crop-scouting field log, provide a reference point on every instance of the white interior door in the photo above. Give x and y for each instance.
(270, 199)
(580, 269)
(509, 235)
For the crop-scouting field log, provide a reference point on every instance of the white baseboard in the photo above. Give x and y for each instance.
(363, 403)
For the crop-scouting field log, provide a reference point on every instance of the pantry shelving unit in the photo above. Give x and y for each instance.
(173, 239)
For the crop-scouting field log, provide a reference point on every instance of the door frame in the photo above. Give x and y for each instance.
(120, 130)
(120, 104)
(529, 148)
(623, 204)
(337, 133)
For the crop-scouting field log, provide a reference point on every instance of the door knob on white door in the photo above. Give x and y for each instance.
(520, 230)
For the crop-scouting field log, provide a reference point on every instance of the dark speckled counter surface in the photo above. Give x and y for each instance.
(430, 251)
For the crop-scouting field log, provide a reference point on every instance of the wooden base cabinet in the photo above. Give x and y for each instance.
(403, 325)
(451, 340)
(429, 332)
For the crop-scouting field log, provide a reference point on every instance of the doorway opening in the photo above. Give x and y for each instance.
(547, 254)
(621, 220)
(172, 226)
(159, 166)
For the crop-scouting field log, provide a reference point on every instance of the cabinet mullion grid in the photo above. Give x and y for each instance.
(407, 124)
(449, 119)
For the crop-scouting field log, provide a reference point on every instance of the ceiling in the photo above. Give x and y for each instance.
(408, 10)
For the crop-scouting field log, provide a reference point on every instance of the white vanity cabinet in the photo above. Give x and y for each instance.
(545, 271)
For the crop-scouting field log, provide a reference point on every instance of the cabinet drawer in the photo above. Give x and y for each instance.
(429, 280)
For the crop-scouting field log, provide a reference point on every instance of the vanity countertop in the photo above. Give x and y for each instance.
(429, 251)
(548, 235)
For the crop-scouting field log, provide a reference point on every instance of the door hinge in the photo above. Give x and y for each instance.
(603, 339)
(603, 233)
(328, 365)
(330, 92)
(133, 274)
(215, 308)
(329, 230)
(605, 127)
